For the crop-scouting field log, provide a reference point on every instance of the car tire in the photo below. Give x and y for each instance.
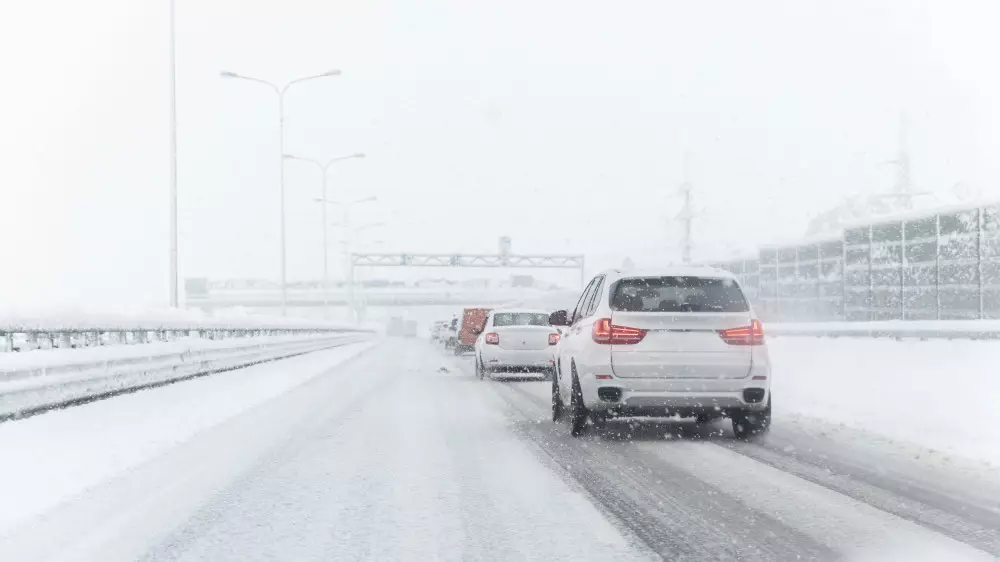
(457, 350)
(749, 424)
(577, 411)
(557, 403)
(480, 369)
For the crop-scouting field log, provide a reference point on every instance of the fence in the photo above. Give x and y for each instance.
(939, 265)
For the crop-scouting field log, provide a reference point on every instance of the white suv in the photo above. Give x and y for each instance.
(679, 341)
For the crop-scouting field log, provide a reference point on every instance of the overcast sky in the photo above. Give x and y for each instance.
(560, 123)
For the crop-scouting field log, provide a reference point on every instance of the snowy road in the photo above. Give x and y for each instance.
(402, 454)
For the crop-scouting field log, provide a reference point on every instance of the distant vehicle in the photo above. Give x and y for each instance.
(394, 327)
(516, 341)
(438, 330)
(469, 327)
(680, 341)
(410, 328)
(450, 335)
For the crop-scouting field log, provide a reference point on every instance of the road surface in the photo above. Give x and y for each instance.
(403, 454)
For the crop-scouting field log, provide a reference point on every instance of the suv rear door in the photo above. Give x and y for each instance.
(681, 317)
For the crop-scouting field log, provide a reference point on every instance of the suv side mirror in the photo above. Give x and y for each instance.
(559, 318)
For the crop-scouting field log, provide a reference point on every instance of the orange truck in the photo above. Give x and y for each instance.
(472, 322)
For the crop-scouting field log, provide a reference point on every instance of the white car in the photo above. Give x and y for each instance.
(516, 341)
(679, 341)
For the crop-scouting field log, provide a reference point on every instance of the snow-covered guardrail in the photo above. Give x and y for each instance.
(922, 329)
(35, 330)
(37, 382)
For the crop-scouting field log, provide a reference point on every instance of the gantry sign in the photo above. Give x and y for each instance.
(469, 260)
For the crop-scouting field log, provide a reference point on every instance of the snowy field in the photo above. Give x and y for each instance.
(395, 450)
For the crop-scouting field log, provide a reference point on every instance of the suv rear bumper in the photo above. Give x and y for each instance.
(496, 358)
(663, 397)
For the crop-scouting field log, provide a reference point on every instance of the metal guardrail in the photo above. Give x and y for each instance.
(35, 333)
(32, 390)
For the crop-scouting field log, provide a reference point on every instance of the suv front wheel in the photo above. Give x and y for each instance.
(557, 403)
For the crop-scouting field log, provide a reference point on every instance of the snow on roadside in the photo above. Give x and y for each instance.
(937, 394)
(51, 457)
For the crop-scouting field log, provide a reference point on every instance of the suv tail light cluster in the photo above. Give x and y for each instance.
(492, 338)
(553, 339)
(611, 334)
(744, 335)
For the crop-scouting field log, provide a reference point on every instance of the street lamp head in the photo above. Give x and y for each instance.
(358, 155)
(334, 72)
(290, 157)
(227, 74)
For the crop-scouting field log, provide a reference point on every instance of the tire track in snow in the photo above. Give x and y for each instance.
(971, 524)
(677, 515)
(912, 501)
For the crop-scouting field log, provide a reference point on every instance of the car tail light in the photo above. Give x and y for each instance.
(493, 338)
(607, 333)
(553, 339)
(744, 335)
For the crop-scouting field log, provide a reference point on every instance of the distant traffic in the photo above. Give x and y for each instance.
(679, 342)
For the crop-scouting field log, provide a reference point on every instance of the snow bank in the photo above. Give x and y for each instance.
(939, 394)
(888, 328)
(49, 458)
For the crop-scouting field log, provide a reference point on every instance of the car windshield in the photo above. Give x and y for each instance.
(678, 294)
(520, 319)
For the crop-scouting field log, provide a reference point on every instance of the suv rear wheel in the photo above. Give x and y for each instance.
(750, 424)
(577, 411)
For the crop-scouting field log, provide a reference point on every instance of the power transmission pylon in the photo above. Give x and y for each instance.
(903, 190)
(686, 215)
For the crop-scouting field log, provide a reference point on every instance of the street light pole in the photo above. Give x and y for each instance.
(323, 167)
(174, 290)
(326, 252)
(349, 264)
(281, 176)
(281, 90)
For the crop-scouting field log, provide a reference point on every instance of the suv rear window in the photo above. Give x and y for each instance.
(678, 294)
(520, 319)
